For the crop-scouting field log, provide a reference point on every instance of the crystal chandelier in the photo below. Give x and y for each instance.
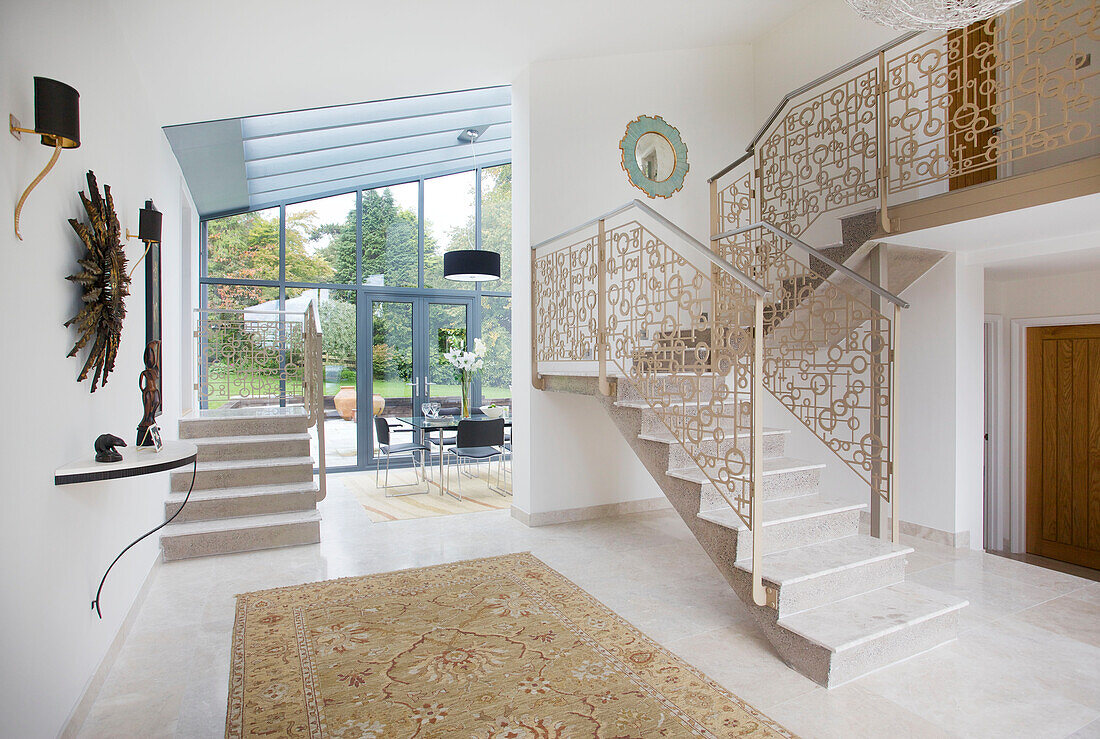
(929, 15)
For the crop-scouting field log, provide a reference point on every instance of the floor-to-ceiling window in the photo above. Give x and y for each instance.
(372, 262)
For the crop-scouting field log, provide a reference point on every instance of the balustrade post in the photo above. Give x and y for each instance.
(537, 381)
(756, 494)
(879, 431)
(881, 113)
(895, 509)
(601, 307)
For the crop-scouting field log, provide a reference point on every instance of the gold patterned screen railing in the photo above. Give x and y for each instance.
(927, 114)
(631, 298)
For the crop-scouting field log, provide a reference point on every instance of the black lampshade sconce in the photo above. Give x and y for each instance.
(56, 120)
(149, 223)
(471, 265)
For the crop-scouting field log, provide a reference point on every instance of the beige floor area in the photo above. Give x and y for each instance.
(1027, 663)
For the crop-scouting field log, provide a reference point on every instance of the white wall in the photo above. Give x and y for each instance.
(571, 169)
(56, 541)
(1026, 299)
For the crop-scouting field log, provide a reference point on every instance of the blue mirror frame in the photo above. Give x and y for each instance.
(639, 127)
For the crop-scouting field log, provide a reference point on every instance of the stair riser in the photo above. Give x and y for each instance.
(198, 428)
(243, 477)
(817, 591)
(254, 449)
(653, 424)
(683, 388)
(776, 487)
(804, 531)
(774, 445)
(898, 645)
(248, 505)
(243, 540)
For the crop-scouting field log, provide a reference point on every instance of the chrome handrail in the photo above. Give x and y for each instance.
(863, 281)
(699, 247)
(805, 88)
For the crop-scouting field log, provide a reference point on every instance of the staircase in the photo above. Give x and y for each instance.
(842, 607)
(253, 489)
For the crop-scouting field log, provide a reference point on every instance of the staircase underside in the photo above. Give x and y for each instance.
(843, 606)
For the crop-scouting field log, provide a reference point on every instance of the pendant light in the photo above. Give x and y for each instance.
(471, 265)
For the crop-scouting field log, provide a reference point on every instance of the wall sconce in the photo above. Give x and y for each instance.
(149, 222)
(56, 120)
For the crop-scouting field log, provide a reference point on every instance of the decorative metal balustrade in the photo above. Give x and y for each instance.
(678, 325)
(261, 358)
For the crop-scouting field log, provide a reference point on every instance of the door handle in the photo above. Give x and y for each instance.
(415, 385)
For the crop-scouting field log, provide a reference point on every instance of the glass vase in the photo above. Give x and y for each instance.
(465, 395)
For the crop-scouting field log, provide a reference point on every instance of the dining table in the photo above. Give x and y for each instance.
(424, 426)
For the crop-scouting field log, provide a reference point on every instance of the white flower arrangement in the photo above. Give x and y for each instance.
(467, 362)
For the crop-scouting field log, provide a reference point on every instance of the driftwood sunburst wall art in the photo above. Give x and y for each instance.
(105, 284)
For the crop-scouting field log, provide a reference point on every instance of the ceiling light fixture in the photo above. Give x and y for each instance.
(471, 265)
(929, 15)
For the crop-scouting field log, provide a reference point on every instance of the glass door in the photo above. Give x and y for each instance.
(390, 389)
(446, 325)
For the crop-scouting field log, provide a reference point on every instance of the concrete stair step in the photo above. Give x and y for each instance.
(775, 442)
(244, 422)
(813, 575)
(207, 505)
(791, 523)
(784, 477)
(260, 446)
(245, 534)
(245, 472)
(874, 629)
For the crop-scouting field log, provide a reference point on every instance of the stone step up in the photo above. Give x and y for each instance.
(775, 442)
(244, 422)
(207, 505)
(261, 446)
(784, 477)
(814, 575)
(703, 386)
(790, 523)
(245, 534)
(872, 630)
(245, 472)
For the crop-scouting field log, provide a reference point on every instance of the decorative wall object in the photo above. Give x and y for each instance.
(105, 448)
(654, 156)
(56, 120)
(104, 281)
(149, 231)
(149, 384)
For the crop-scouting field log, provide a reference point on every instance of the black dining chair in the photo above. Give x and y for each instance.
(444, 440)
(475, 441)
(382, 436)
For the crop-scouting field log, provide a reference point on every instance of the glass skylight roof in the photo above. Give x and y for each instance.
(256, 162)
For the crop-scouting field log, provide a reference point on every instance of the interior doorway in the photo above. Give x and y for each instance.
(1063, 443)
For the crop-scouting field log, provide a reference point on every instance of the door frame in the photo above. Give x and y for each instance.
(997, 502)
(419, 301)
(1018, 458)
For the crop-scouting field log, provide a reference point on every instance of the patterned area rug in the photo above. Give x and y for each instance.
(498, 647)
(476, 493)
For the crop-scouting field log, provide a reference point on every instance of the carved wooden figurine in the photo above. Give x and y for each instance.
(149, 383)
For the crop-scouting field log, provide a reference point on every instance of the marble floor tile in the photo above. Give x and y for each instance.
(1027, 663)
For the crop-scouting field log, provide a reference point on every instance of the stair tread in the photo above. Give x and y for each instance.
(667, 438)
(249, 438)
(823, 558)
(772, 466)
(674, 404)
(236, 414)
(782, 510)
(186, 528)
(853, 621)
(238, 464)
(244, 491)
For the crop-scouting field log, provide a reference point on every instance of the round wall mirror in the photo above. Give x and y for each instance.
(654, 156)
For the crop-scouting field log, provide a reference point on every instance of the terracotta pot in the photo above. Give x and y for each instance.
(345, 402)
(378, 404)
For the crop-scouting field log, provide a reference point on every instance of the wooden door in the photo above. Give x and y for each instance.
(1063, 443)
(971, 117)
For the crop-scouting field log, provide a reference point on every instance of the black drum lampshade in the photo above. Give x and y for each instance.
(56, 113)
(471, 265)
(149, 220)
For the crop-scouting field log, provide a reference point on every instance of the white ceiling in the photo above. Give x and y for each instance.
(209, 59)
